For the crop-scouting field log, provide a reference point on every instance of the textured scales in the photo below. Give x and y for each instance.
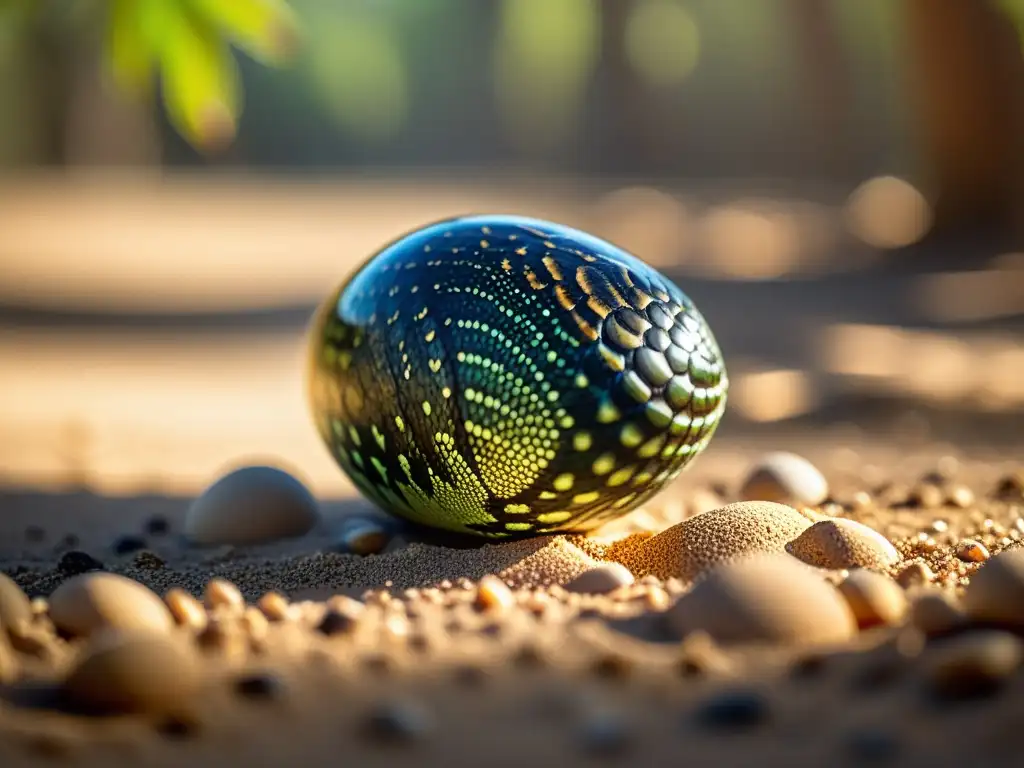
(505, 376)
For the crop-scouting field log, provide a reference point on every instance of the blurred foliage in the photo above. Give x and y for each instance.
(1015, 10)
(185, 46)
(357, 65)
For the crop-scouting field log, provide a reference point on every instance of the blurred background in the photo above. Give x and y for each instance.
(838, 184)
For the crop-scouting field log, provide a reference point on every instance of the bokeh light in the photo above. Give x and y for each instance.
(888, 212)
(358, 68)
(651, 223)
(545, 53)
(662, 41)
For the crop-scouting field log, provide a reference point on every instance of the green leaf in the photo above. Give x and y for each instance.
(130, 56)
(201, 87)
(265, 29)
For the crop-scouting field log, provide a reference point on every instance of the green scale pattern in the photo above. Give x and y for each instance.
(505, 376)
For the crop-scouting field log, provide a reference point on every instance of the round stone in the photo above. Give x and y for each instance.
(134, 672)
(601, 580)
(252, 505)
(874, 599)
(996, 592)
(786, 478)
(764, 599)
(91, 602)
(936, 613)
(841, 543)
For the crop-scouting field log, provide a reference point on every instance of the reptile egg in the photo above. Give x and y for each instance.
(504, 376)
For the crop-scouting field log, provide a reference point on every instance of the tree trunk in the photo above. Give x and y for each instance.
(966, 86)
(826, 87)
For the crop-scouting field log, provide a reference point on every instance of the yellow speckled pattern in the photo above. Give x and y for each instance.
(506, 377)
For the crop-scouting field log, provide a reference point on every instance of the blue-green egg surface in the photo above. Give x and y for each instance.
(504, 376)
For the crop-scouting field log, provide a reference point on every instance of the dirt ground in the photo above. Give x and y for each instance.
(428, 662)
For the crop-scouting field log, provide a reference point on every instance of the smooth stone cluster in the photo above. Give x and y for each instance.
(688, 548)
(252, 505)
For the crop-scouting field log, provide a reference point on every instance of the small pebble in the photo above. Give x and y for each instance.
(221, 593)
(973, 665)
(252, 505)
(15, 607)
(785, 478)
(926, 496)
(733, 710)
(861, 500)
(223, 638)
(842, 543)
(971, 551)
(93, 601)
(766, 598)
(601, 580)
(874, 599)
(275, 606)
(125, 545)
(493, 594)
(75, 562)
(996, 592)
(961, 496)
(186, 610)
(133, 672)
(363, 536)
(915, 574)
(936, 613)
(255, 624)
(396, 723)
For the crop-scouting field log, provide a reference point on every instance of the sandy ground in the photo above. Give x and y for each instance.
(425, 664)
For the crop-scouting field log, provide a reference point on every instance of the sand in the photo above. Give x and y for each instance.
(447, 652)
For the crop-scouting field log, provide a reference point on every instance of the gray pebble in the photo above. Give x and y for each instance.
(601, 580)
(786, 478)
(252, 505)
